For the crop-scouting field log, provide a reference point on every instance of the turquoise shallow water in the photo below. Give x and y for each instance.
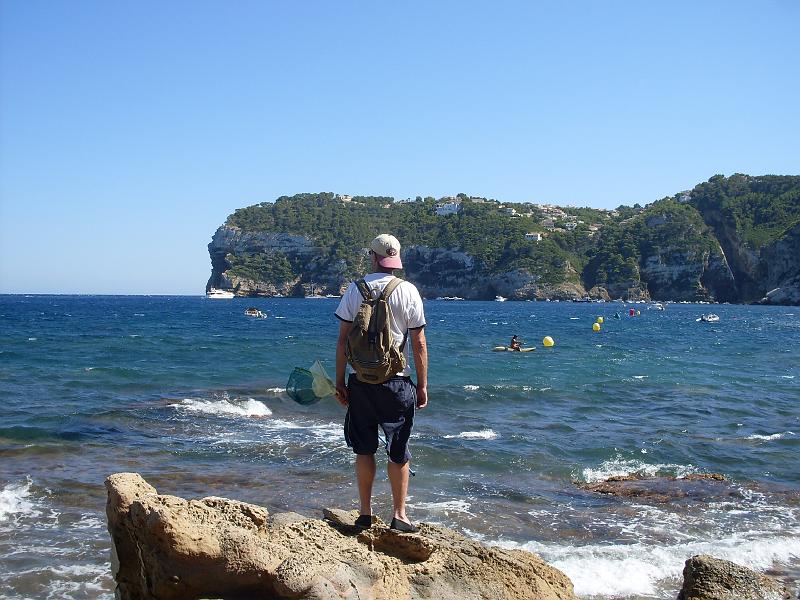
(189, 392)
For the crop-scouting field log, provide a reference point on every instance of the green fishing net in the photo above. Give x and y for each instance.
(307, 386)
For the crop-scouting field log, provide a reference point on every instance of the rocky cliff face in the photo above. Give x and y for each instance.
(682, 275)
(318, 274)
(435, 271)
(682, 248)
(779, 269)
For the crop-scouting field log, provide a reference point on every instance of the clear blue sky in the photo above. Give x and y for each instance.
(130, 130)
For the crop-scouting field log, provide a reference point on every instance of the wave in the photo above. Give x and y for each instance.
(447, 506)
(276, 390)
(16, 501)
(472, 388)
(226, 407)
(483, 434)
(769, 437)
(621, 467)
(622, 570)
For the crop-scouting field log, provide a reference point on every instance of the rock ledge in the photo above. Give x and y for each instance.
(166, 547)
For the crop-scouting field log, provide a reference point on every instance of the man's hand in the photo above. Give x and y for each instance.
(422, 397)
(341, 394)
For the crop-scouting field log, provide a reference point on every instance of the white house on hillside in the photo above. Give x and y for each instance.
(534, 237)
(448, 208)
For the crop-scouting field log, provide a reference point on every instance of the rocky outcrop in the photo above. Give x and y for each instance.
(708, 578)
(661, 490)
(319, 273)
(166, 547)
(692, 276)
(780, 269)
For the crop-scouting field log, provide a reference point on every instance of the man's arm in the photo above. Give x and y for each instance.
(341, 362)
(420, 348)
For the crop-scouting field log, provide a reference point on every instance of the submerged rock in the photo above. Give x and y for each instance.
(708, 578)
(166, 547)
(695, 486)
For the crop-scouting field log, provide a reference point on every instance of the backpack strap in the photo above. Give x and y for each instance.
(387, 291)
(362, 286)
(390, 287)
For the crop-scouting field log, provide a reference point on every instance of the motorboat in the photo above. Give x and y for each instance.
(709, 318)
(500, 299)
(216, 294)
(254, 312)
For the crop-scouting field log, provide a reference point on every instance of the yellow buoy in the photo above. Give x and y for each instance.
(600, 320)
(548, 342)
(595, 326)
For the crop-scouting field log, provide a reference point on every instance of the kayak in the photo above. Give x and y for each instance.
(507, 349)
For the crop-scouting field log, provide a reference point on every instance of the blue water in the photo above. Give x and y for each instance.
(190, 393)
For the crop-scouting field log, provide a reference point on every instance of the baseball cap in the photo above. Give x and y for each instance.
(388, 250)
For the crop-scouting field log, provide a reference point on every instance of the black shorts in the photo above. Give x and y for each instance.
(391, 405)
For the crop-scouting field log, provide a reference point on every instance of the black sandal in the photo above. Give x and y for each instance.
(403, 527)
(364, 522)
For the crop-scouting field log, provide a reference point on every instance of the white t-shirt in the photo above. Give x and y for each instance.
(405, 302)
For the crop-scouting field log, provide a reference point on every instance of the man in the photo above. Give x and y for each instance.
(515, 344)
(390, 404)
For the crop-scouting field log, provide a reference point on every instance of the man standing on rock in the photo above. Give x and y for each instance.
(392, 403)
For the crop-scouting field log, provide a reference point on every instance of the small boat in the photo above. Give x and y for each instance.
(254, 312)
(709, 318)
(500, 299)
(656, 306)
(216, 294)
(508, 349)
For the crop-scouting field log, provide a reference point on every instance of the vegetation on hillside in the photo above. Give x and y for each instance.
(759, 210)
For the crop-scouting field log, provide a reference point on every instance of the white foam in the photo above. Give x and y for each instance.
(621, 570)
(641, 376)
(240, 408)
(448, 506)
(16, 501)
(483, 434)
(787, 376)
(620, 467)
(276, 390)
(770, 437)
(472, 388)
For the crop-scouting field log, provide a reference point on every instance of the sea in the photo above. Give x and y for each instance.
(191, 393)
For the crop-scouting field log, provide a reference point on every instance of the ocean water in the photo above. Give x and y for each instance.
(190, 393)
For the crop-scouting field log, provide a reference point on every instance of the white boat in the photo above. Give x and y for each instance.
(216, 294)
(709, 318)
(499, 299)
(254, 312)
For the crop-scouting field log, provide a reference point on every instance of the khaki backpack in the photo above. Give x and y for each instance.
(370, 348)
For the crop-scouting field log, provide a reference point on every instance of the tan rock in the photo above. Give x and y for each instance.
(171, 548)
(709, 578)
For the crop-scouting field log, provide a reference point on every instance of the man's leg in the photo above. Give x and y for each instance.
(365, 476)
(398, 478)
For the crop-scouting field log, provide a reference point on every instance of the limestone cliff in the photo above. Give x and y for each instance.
(435, 271)
(729, 239)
